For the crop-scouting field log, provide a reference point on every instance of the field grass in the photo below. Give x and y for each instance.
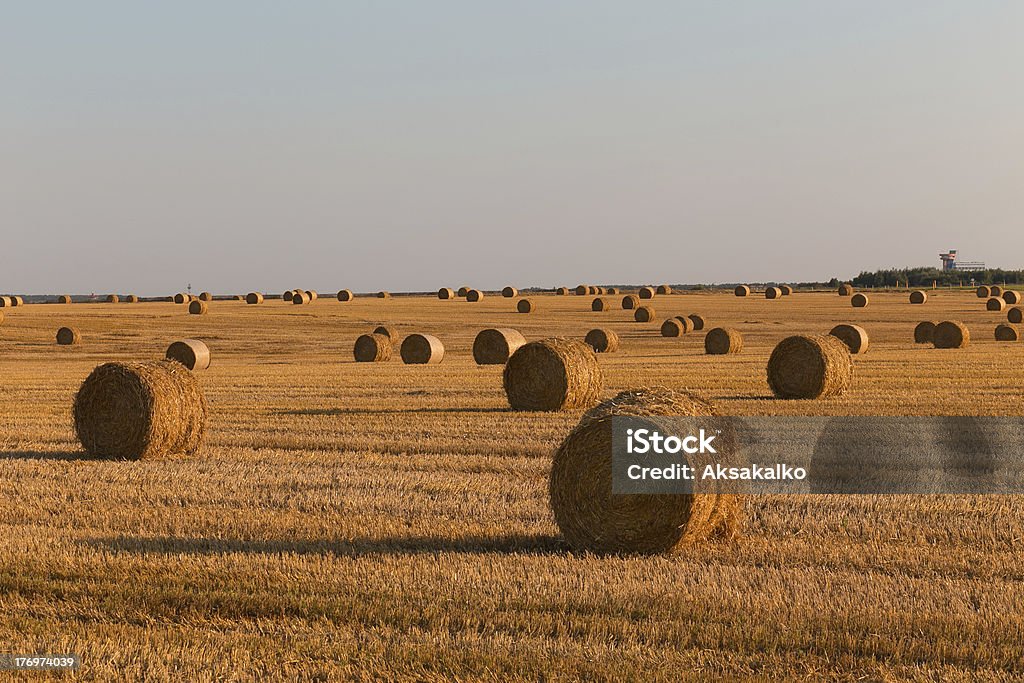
(382, 521)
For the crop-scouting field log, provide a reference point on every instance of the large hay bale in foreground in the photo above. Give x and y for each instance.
(206, 296)
(421, 349)
(723, 340)
(995, 303)
(553, 374)
(630, 302)
(525, 306)
(346, 295)
(495, 346)
(1011, 297)
(810, 367)
(140, 410)
(372, 348)
(1007, 333)
(68, 336)
(951, 334)
(854, 336)
(64, 299)
(300, 298)
(510, 292)
(198, 307)
(474, 295)
(924, 332)
(664, 289)
(445, 294)
(918, 296)
(859, 300)
(1015, 315)
(646, 292)
(697, 320)
(741, 290)
(786, 290)
(388, 331)
(984, 292)
(602, 340)
(192, 353)
(772, 293)
(593, 519)
(562, 291)
(253, 298)
(600, 304)
(113, 298)
(845, 289)
(644, 314)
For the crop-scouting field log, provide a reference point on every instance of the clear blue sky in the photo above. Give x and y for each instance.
(410, 145)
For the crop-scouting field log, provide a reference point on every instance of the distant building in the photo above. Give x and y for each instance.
(949, 262)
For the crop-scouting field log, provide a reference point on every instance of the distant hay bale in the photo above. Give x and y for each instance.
(582, 290)
(1011, 297)
(854, 336)
(612, 290)
(995, 290)
(287, 296)
(133, 411)
(313, 296)
(206, 296)
(181, 298)
(5, 302)
(192, 353)
(300, 298)
(723, 340)
(741, 290)
(630, 302)
(495, 346)
(918, 296)
(239, 297)
(810, 367)
(346, 295)
(64, 299)
(510, 292)
(67, 336)
(553, 374)
(372, 348)
(253, 298)
(951, 334)
(474, 295)
(602, 340)
(995, 303)
(673, 327)
(663, 289)
(772, 293)
(1015, 315)
(463, 291)
(192, 297)
(525, 306)
(600, 304)
(697, 320)
(846, 289)
(132, 299)
(593, 289)
(388, 331)
(1007, 333)
(593, 519)
(562, 291)
(421, 349)
(786, 290)
(984, 292)
(198, 307)
(17, 301)
(445, 294)
(685, 322)
(383, 295)
(646, 292)
(859, 300)
(601, 291)
(644, 314)
(924, 332)
(112, 298)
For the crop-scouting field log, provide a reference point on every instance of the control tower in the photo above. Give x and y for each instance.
(949, 262)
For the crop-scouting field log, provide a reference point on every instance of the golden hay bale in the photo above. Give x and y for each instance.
(644, 314)
(686, 323)
(593, 289)
(995, 290)
(300, 298)
(287, 296)
(139, 410)
(17, 301)
(562, 291)
(697, 320)
(64, 299)
(198, 307)
(846, 289)
(673, 327)
(723, 340)
(1011, 297)
(510, 292)
(772, 293)
(192, 353)
(630, 302)
(253, 298)
(388, 331)
(741, 290)
(495, 346)
(463, 291)
(582, 290)
(810, 367)
(372, 348)
(984, 292)
(132, 299)
(5, 302)
(602, 340)
(646, 292)
(601, 291)
(859, 300)
(854, 336)
(918, 296)
(951, 334)
(421, 349)
(553, 374)
(995, 303)
(444, 294)
(593, 519)
(600, 304)
(346, 295)
(112, 298)
(612, 290)
(663, 289)
(1007, 333)
(525, 306)
(180, 298)
(206, 296)
(786, 290)
(383, 295)
(311, 293)
(924, 332)
(239, 297)
(67, 336)
(1015, 315)
(474, 295)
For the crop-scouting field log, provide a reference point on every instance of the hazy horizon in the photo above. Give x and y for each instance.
(406, 146)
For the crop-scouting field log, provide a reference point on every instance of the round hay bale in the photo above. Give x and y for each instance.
(924, 332)
(132, 411)
(445, 294)
(686, 323)
(995, 303)
(600, 304)
(1007, 333)
(846, 289)
(918, 296)
(553, 374)
(494, 346)
(239, 297)
(723, 340)
(372, 348)
(192, 353)
(859, 300)
(810, 367)
(132, 299)
(951, 334)
(995, 290)
(786, 290)
(180, 298)
(421, 349)
(383, 295)
(672, 328)
(206, 296)
(772, 293)
(463, 291)
(300, 298)
(593, 289)
(612, 290)
(525, 306)
(474, 295)
(602, 340)
(253, 298)
(311, 293)
(68, 336)
(646, 292)
(113, 298)
(644, 314)
(697, 320)
(18, 301)
(741, 290)
(388, 331)
(5, 302)
(64, 299)
(287, 296)
(984, 292)
(198, 307)
(854, 336)
(510, 292)
(663, 289)
(562, 291)
(192, 297)
(346, 295)
(593, 519)
(1015, 315)
(601, 291)
(582, 290)
(630, 302)
(1011, 297)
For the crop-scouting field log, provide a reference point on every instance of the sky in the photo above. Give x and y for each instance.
(242, 145)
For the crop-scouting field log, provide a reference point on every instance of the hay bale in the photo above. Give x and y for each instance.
(697, 320)
(383, 295)
(445, 294)
(421, 349)
(772, 293)
(133, 411)
(854, 336)
(672, 327)
(525, 306)
(846, 289)
(5, 302)
(553, 374)
(859, 300)
(630, 302)
(253, 298)
(510, 292)
(239, 297)
(741, 290)
(68, 336)
(287, 296)
(601, 291)
(592, 519)
(602, 340)
(1011, 297)
(663, 289)
(463, 291)
(311, 293)
(593, 290)
(918, 296)
(723, 340)
(984, 292)
(300, 298)
(562, 291)
(810, 367)
(686, 323)
(494, 346)
(112, 298)
(786, 290)
(924, 332)
(64, 299)
(372, 348)
(388, 331)
(191, 353)
(995, 303)
(612, 290)
(644, 314)
(1007, 333)
(198, 307)
(132, 299)
(951, 334)
(1015, 315)
(474, 295)
(206, 296)
(600, 304)
(995, 290)
(346, 295)
(180, 298)
(646, 292)
(17, 301)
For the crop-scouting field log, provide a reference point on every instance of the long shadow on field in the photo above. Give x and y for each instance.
(44, 455)
(386, 411)
(522, 544)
